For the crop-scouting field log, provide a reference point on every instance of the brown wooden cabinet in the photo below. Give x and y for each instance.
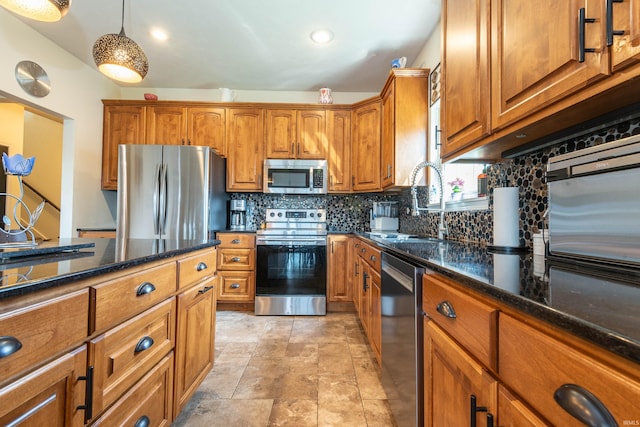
(405, 116)
(207, 126)
(625, 49)
(528, 72)
(339, 157)
(365, 147)
(48, 396)
(338, 286)
(195, 338)
(465, 78)
(454, 383)
(295, 134)
(512, 412)
(122, 124)
(245, 149)
(167, 125)
(236, 267)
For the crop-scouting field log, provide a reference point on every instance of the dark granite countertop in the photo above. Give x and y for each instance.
(25, 274)
(600, 306)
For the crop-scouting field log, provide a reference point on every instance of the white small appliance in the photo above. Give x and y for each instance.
(383, 217)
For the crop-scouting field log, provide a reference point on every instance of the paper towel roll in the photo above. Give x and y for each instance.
(506, 217)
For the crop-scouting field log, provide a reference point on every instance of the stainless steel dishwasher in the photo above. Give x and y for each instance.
(402, 338)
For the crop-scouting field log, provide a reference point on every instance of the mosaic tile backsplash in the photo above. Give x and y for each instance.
(349, 213)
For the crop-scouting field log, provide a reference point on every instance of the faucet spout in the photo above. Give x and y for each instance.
(415, 208)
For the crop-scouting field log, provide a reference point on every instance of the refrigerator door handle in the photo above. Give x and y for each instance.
(163, 199)
(156, 201)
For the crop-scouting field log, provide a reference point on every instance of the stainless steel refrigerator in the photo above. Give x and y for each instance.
(170, 192)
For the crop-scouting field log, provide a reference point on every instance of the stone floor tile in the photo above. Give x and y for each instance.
(226, 413)
(368, 379)
(294, 413)
(336, 365)
(333, 388)
(378, 413)
(341, 413)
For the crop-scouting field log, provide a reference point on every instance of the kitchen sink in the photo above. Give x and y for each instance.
(404, 238)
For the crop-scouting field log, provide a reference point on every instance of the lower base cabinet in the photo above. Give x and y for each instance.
(195, 339)
(51, 396)
(458, 390)
(148, 403)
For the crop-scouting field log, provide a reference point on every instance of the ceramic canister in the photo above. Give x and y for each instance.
(325, 96)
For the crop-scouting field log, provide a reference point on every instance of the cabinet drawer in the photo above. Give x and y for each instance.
(236, 259)
(236, 285)
(535, 365)
(196, 267)
(148, 403)
(124, 354)
(41, 331)
(236, 240)
(118, 299)
(371, 255)
(469, 321)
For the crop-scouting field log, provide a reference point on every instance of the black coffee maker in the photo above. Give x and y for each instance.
(237, 214)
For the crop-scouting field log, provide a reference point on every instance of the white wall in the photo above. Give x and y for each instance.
(75, 95)
(429, 56)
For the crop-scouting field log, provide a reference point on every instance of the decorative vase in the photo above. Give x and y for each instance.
(325, 96)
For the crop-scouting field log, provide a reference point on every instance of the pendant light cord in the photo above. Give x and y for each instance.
(122, 21)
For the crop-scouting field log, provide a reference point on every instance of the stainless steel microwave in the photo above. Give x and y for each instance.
(288, 176)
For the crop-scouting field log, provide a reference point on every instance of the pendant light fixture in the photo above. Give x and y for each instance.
(119, 57)
(40, 10)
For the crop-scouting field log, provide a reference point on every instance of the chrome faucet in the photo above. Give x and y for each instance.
(415, 209)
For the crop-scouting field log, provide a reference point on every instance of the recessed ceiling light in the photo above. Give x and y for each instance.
(321, 36)
(159, 34)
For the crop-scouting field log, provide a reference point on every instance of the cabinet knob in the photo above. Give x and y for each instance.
(235, 259)
(363, 250)
(446, 309)
(584, 406)
(236, 241)
(201, 266)
(145, 343)
(143, 421)
(8, 346)
(372, 258)
(235, 285)
(145, 289)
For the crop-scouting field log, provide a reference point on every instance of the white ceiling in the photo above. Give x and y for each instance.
(256, 44)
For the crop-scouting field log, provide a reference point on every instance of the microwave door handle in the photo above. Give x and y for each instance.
(311, 179)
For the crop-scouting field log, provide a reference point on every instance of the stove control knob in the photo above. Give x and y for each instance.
(319, 214)
(279, 214)
(272, 214)
(311, 214)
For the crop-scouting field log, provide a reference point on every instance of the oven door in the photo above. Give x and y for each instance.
(291, 269)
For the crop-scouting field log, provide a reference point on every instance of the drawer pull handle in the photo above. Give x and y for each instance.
(88, 393)
(8, 346)
(201, 266)
(236, 241)
(145, 343)
(235, 259)
(145, 288)
(446, 309)
(584, 406)
(143, 421)
(475, 408)
(235, 285)
(372, 258)
(205, 290)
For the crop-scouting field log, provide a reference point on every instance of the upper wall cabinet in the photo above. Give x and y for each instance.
(405, 118)
(516, 71)
(339, 157)
(245, 153)
(365, 147)
(134, 122)
(122, 124)
(295, 134)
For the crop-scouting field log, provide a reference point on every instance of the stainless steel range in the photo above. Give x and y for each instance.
(291, 277)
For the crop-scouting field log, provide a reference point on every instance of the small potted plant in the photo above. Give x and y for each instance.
(456, 188)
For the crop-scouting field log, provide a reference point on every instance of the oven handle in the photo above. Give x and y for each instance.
(290, 242)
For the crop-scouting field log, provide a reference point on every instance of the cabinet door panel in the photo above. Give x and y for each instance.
(626, 48)
(388, 142)
(207, 128)
(339, 135)
(465, 73)
(365, 154)
(166, 125)
(280, 134)
(122, 124)
(245, 149)
(311, 138)
(513, 413)
(338, 286)
(530, 72)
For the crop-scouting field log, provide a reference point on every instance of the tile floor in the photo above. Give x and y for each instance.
(289, 371)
